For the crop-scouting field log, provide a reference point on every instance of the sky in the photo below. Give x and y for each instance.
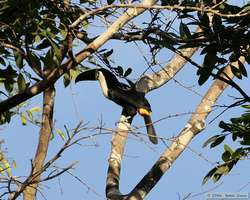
(85, 102)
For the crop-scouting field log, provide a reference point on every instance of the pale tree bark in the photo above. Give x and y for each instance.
(194, 126)
(153, 81)
(43, 143)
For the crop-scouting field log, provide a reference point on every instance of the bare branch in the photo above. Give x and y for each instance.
(118, 144)
(176, 7)
(32, 181)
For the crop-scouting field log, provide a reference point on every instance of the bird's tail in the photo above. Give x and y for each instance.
(150, 129)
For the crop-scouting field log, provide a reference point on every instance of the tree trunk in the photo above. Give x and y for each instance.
(43, 143)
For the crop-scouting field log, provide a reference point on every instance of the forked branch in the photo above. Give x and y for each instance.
(193, 127)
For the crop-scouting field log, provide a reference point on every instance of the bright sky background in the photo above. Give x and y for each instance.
(84, 101)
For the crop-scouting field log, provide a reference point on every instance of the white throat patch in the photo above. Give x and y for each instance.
(103, 84)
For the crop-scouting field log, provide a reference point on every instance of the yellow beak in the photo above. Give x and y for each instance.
(144, 112)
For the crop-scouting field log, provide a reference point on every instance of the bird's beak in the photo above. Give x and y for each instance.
(88, 75)
(144, 112)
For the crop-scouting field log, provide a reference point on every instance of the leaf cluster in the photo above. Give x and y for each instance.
(239, 129)
(33, 41)
(222, 40)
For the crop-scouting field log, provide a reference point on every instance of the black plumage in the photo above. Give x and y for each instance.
(124, 95)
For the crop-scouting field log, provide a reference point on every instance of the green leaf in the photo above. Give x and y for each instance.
(19, 59)
(30, 115)
(204, 20)
(216, 177)
(204, 75)
(23, 119)
(108, 53)
(2, 62)
(35, 60)
(63, 33)
(223, 169)
(242, 68)
(239, 153)
(245, 142)
(226, 156)
(228, 149)
(21, 83)
(210, 60)
(35, 109)
(37, 38)
(236, 72)
(119, 70)
(223, 125)
(7, 167)
(222, 6)
(209, 175)
(14, 165)
(74, 73)
(210, 140)
(217, 23)
(52, 136)
(48, 59)
(5, 117)
(44, 44)
(247, 59)
(56, 49)
(234, 57)
(184, 31)
(217, 141)
(66, 79)
(110, 1)
(61, 133)
(9, 86)
(128, 72)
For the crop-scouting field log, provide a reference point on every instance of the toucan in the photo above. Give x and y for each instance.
(122, 94)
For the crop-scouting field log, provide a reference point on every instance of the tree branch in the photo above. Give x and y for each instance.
(150, 82)
(43, 144)
(194, 126)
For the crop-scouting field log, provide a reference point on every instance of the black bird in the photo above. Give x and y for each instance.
(124, 95)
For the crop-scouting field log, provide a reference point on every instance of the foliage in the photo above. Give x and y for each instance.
(239, 130)
(33, 36)
(222, 40)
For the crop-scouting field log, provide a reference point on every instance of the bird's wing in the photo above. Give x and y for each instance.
(125, 97)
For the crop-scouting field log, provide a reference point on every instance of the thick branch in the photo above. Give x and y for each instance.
(118, 144)
(150, 82)
(45, 135)
(153, 81)
(194, 126)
